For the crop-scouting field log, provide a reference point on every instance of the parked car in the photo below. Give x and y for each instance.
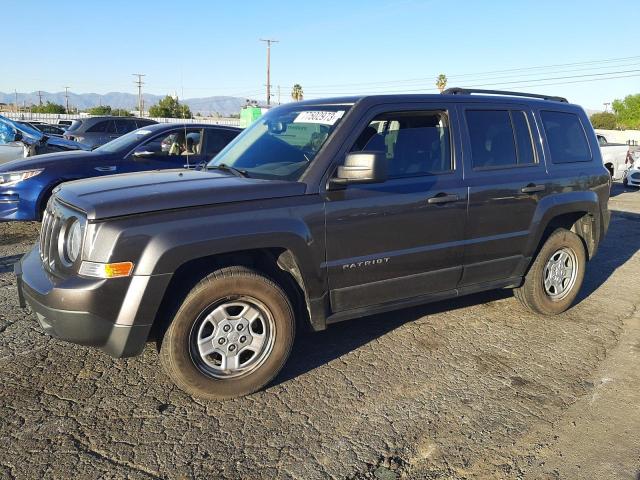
(20, 140)
(47, 129)
(319, 212)
(25, 185)
(614, 157)
(632, 175)
(96, 131)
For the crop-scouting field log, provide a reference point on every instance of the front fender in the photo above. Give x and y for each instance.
(159, 243)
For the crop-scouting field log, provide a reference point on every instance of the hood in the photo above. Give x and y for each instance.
(43, 161)
(67, 144)
(132, 193)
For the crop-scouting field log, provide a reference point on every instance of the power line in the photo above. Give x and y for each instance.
(533, 82)
(477, 74)
(268, 41)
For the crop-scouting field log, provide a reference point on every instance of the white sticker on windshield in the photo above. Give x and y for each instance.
(322, 117)
(143, 132)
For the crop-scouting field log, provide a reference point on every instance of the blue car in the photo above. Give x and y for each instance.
(26, 184)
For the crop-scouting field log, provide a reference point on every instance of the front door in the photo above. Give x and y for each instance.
(179, 148)
(402, 238)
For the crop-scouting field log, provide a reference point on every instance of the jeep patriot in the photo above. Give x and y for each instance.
(322, 211)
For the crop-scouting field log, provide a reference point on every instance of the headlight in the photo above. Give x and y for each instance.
(71, 241)
(11, 178)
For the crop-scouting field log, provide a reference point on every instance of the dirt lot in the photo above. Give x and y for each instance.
(472, 388)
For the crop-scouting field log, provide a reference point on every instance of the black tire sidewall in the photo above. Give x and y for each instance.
(541, 301)
(175, 347)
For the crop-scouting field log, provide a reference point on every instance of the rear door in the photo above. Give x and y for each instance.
(215, 140)
(403, 238)
(507, 178)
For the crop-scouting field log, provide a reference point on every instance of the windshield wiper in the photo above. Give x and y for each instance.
(226, 168)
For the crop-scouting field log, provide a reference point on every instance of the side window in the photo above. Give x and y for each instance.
(415, 143)
(176, 142)
(99, 127)
(125, 126)
(565, 137)
(113, 127)
(217, 140)
(491, 137)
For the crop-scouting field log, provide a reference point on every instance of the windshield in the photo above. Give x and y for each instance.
(124, 142)
(27, 130)
(283, 142)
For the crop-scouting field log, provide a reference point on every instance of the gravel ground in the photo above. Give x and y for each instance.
(477, 387)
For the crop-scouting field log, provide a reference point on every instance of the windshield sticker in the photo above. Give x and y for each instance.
(143, 132)
(321, 117)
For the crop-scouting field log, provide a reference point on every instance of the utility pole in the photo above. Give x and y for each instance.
(66, 99)
(16, 102)
(606, 106)
(39, 98)
(278, 94)
(268, 41)
(139, 83)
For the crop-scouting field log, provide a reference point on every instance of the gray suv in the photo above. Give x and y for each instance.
(319, 212)
(96, 131)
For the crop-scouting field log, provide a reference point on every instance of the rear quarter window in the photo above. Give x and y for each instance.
(566, 137)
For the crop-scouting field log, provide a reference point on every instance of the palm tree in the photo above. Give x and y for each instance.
(441, 82)
(296, 92)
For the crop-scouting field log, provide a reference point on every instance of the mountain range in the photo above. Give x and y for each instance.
(222, 105)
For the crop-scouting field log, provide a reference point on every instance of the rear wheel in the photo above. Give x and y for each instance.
(556, 275)
(231, 336)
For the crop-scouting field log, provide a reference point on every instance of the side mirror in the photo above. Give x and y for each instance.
(18, 137)
(143, 153)
(361, 167)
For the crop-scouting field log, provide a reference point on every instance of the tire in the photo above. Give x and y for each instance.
(560, 294)
(625, 182)
(219, 304)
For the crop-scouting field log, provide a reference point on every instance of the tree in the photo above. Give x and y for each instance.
(169, 107)
(628, 111)
(48, 108)
(606, 120)
(296, 92)
(100, 110)
(441, 82)
(121, 112)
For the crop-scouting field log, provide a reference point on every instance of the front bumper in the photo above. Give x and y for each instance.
(114, 315)
(633, 182)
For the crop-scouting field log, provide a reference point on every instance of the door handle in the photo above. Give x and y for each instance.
(443, 198)
(110, 168)
(532, 188)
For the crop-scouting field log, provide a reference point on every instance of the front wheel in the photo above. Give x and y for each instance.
(556, 275)
(231, 336)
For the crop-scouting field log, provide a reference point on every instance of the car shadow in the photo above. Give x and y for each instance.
(612, 255)
(619, 189)
(312, 350)
(6, 263)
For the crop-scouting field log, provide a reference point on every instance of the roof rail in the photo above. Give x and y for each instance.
(469, 91)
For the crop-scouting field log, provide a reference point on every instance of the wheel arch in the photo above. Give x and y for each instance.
(278, 263)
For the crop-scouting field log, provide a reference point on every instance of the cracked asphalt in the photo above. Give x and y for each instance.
(476, 387)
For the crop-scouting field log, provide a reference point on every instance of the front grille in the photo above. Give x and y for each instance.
(51, 223)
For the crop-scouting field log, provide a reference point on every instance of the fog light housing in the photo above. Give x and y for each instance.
(106, 270)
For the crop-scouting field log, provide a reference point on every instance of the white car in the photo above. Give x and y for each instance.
(632, 176)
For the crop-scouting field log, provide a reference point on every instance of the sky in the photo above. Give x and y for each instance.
(330, 47)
